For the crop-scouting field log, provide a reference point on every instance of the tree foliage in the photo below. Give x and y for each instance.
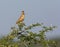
(23, 36)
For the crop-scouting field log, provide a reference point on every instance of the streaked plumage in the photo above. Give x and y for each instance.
(21, 18)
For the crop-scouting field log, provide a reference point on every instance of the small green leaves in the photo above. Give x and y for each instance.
(50, 28)
(27, 38)
(32, 26)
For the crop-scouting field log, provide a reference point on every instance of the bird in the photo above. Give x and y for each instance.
(21, 18)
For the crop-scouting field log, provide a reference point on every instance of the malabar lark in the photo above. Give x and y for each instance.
(21, 18)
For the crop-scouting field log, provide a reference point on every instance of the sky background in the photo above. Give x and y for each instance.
(42, 11)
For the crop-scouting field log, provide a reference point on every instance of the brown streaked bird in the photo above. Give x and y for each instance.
(21, 18)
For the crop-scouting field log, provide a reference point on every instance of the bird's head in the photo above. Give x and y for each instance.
(22, 12)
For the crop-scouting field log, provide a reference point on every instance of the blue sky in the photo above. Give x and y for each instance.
(46, 11)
